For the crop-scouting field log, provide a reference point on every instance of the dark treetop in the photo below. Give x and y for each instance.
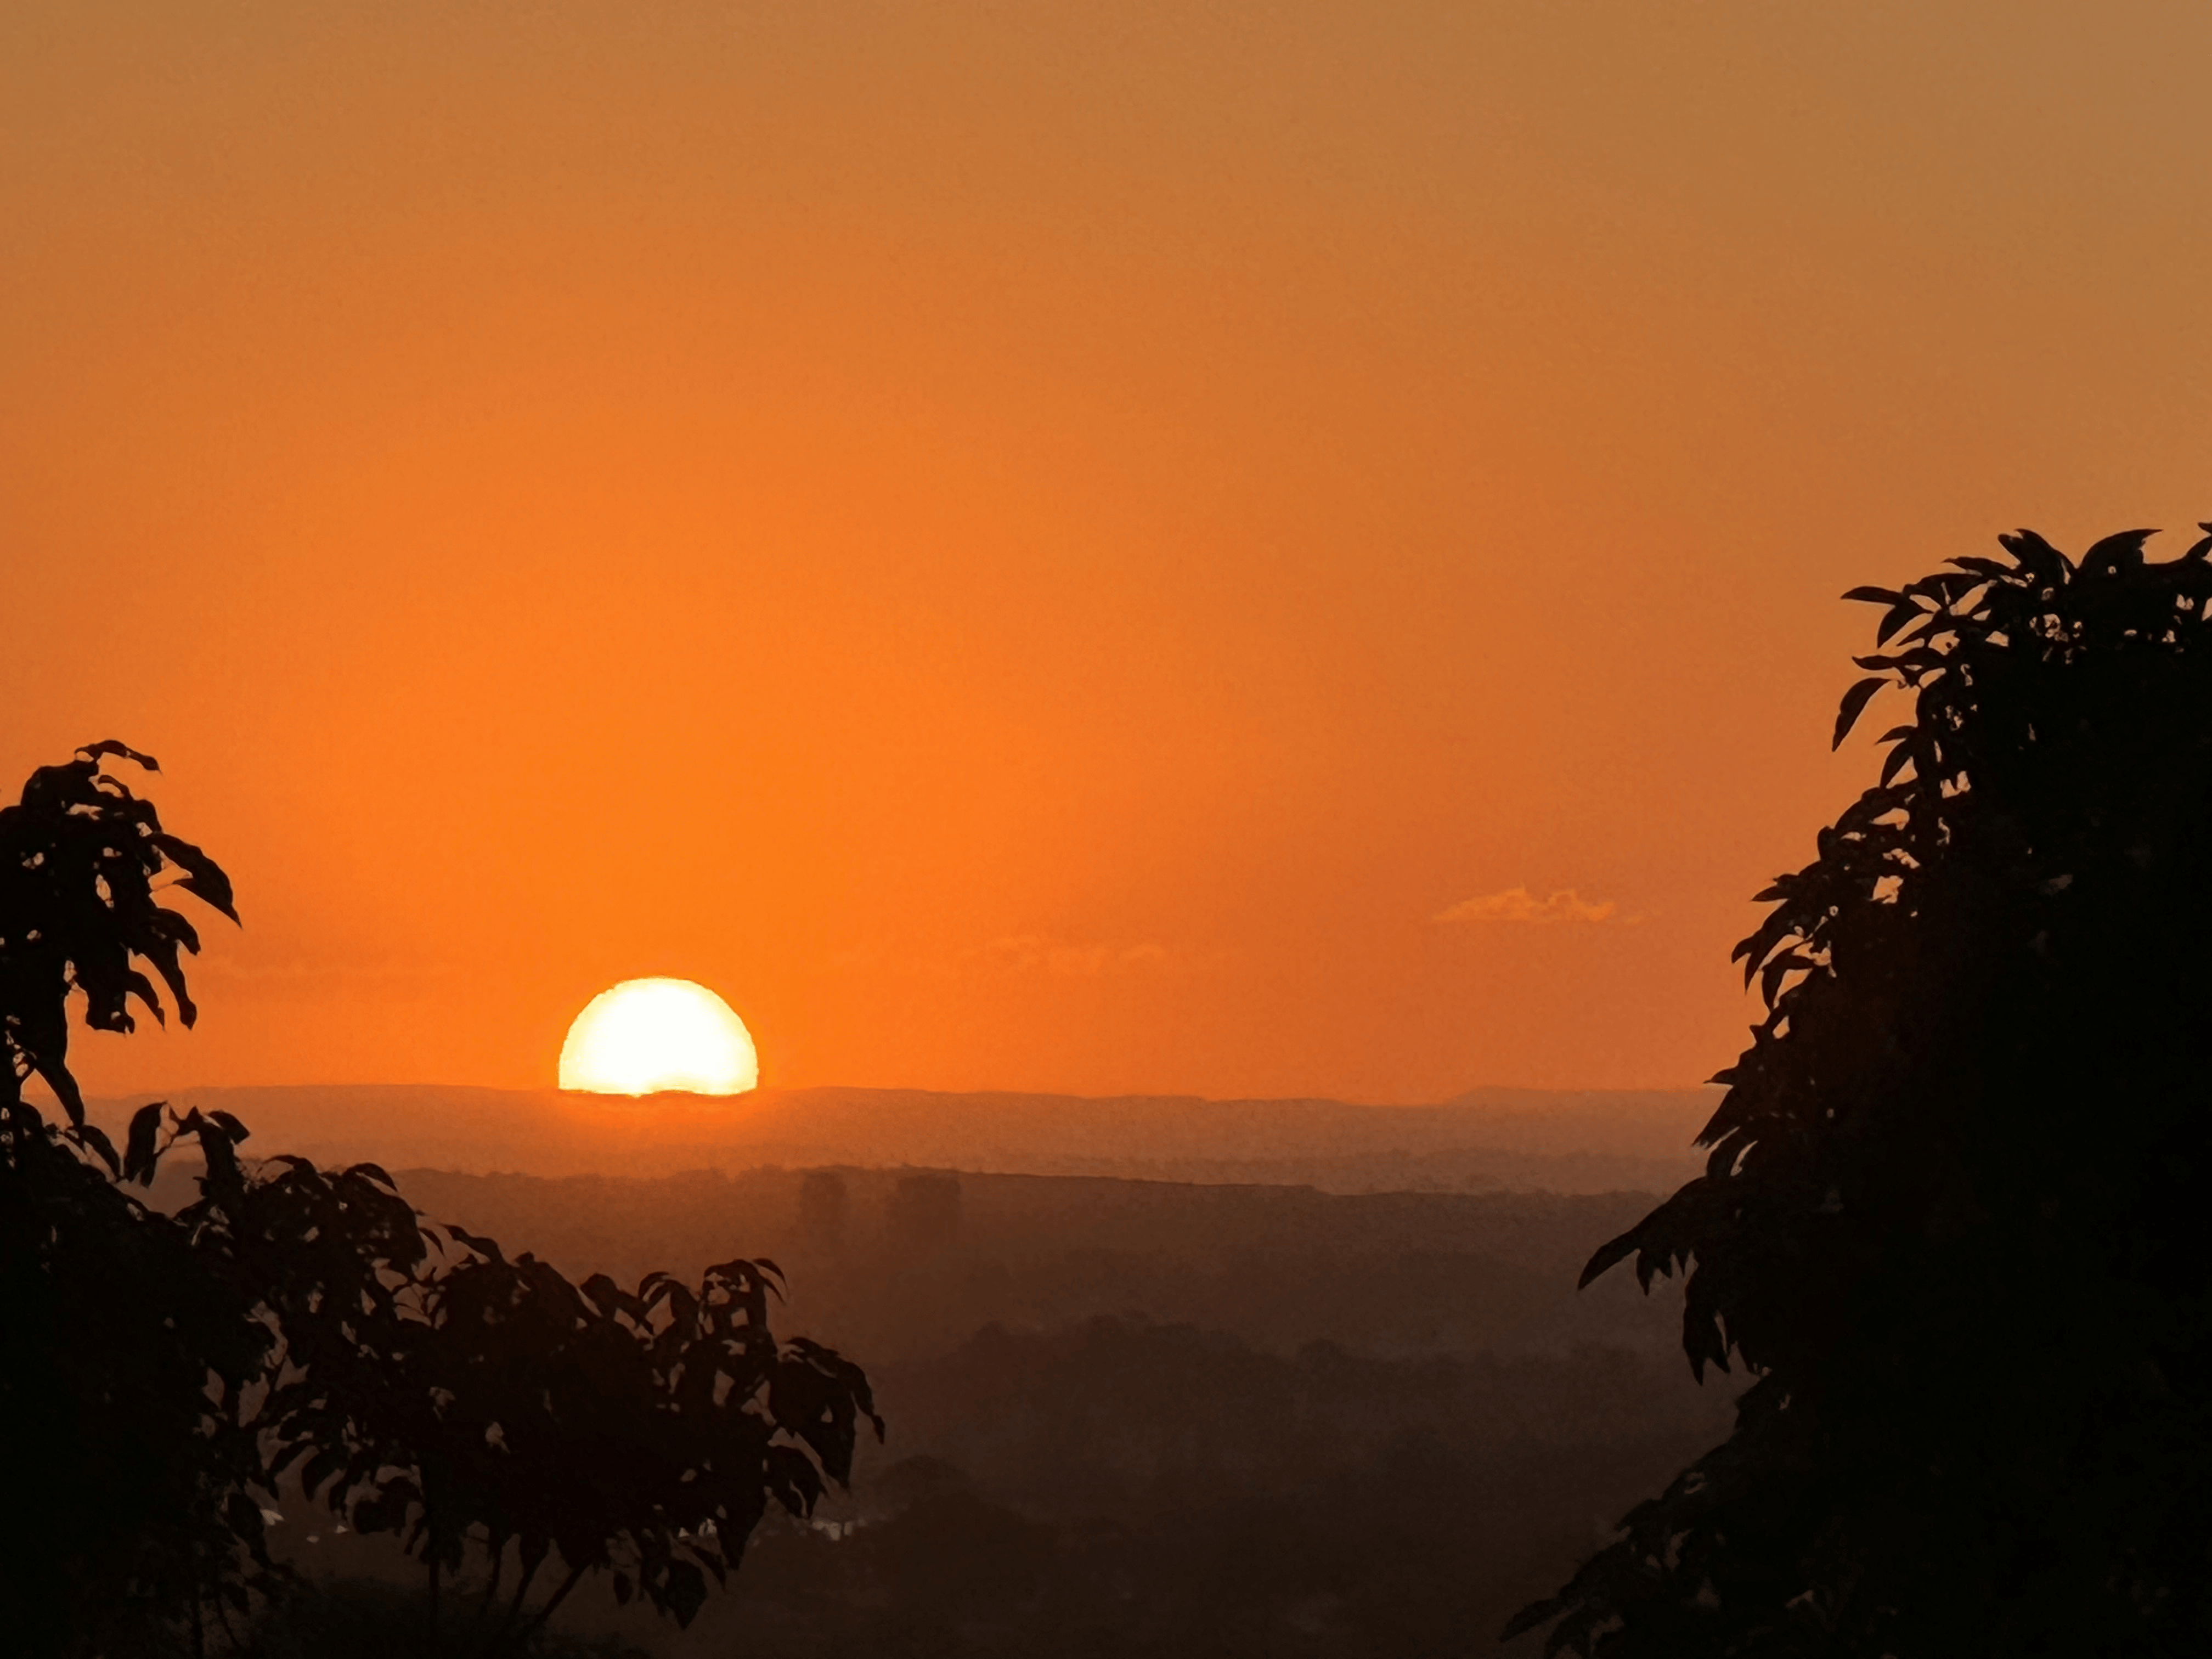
(1952, 1223)
(161, 1374)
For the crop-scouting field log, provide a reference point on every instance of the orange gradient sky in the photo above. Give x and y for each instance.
(1039, 547)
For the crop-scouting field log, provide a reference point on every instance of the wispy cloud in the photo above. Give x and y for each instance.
(1518, 904)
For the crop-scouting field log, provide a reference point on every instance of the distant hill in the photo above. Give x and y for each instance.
(1215, 1414)
(1489, 1139)
(904, 1264)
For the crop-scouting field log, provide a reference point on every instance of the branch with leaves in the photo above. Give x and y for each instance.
(1949, 1188)
(159, 1371)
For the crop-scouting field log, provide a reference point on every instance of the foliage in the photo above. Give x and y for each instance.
(1117, 1488)
(370, 1619)
(158, 1371)
(1949, 1220)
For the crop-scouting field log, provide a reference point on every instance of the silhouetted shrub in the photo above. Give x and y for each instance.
(157, 1371)
(367, 1620)
(1952, 1218)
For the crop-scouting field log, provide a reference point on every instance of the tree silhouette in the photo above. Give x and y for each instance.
(157, 1371)
(1951, 1223)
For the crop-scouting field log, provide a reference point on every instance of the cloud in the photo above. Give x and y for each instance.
(1518, 904)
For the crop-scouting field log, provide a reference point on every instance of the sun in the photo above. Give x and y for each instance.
(645, 1035)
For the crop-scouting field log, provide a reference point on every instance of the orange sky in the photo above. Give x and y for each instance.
(1039, 546)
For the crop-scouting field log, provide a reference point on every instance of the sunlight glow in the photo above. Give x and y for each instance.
(645, 1035)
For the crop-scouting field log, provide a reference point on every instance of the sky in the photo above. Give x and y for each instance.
(1244, 549)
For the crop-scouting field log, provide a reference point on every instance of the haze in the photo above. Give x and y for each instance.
(1041, 549)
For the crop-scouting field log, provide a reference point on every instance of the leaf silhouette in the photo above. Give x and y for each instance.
(142, 1153)
(1950, 1213)
(297, 1323)
(1855, 702)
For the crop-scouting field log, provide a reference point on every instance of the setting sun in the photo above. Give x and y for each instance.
(645, 1035)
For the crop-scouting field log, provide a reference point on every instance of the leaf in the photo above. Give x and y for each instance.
(1874, 596)
(1771, 976)
(2112, 555)
(2037, 557)
(222, 1177)
(142, 1151)
(321, 1468)
(1924, 657)
(96, 751)
(1607, 1257)
(91, 1134)
(685, 1592)
(162, 953)
(488, 1247)
(57, 1078)
(1944, 585)
(603, 1293)
(1535, 1613)
(139, 986)
(205, 878)
(1903, 611)
(1855, 701)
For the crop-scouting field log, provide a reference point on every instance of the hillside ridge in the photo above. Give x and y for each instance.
(1587, 1141)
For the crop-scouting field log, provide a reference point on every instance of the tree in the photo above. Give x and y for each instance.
(158, 1371)
(1951, 1222)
